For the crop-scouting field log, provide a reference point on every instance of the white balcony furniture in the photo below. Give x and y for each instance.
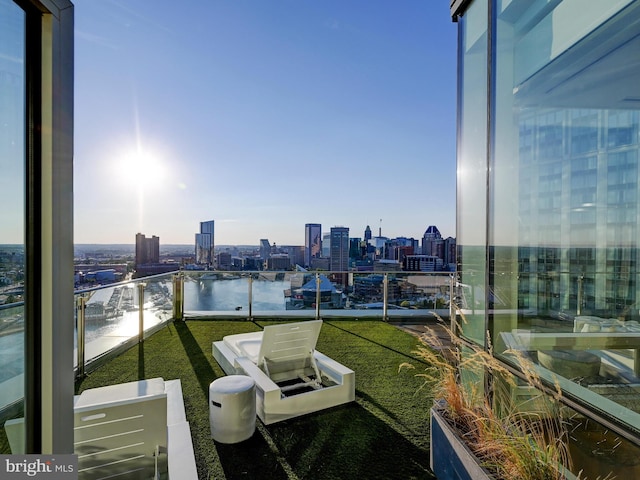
(232, 408)
(292, 378)
(130, 430)
(133, 430)
(14, 429)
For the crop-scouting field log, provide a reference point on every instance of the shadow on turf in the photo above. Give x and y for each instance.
(339, 443)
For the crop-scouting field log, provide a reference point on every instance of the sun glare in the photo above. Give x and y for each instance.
(142, 168)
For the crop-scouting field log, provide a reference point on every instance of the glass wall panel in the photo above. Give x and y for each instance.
(564, 211)
(472, 169)
(12, 210)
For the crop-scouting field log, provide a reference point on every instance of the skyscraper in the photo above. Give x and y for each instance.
(432, 243)
(326, 245)
(312, 242)
(207, 227)
(265, 249)
(367, 234)
(339, 249)
(147, 249)
(205, 243)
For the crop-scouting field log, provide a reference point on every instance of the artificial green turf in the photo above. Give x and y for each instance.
(384, 434)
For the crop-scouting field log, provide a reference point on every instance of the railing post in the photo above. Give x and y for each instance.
(178, 296)
(385, 297)
(452, 303)
(580, 294)
(251, 296)
(140, 312)
(318, 298)
(456, 327)
(80, 308)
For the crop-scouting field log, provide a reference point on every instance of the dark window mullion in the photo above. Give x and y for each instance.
(33, 277)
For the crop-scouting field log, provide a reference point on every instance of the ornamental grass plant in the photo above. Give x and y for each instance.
(512, 437)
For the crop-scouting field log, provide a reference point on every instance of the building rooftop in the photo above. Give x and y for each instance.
(383, 434)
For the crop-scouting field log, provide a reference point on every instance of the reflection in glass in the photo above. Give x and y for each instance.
(12, 213)
(472, 166)
(564, 234)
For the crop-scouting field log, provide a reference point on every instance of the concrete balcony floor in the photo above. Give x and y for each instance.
(384, 434)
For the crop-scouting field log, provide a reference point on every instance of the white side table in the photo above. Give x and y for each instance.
(232, 408)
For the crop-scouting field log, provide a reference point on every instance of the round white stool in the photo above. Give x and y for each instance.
(232, 408)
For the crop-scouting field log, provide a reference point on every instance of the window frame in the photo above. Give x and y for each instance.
(49, 373)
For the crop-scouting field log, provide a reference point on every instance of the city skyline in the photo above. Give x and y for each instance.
(326, 233)
(264, 117)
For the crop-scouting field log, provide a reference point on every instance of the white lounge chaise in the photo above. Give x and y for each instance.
(292, 377)
(133, 430)
(129, 430)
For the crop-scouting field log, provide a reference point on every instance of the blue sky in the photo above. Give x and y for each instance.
(263, 116)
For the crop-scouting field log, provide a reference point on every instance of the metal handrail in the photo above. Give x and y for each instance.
(86, 357)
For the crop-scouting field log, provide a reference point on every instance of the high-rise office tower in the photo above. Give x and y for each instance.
(367, 234)
(205, 243)
(207, 227)
(326, 245)
(265, 249)
(339, 248)
(432, 243)
(355, 248)
(204, 248)
(312, 242)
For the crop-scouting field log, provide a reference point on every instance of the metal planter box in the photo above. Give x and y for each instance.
(450, 458)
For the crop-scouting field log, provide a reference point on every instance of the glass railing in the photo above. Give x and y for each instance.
(11, 355)
(116, 315)
(112, 318)
(387, 296)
